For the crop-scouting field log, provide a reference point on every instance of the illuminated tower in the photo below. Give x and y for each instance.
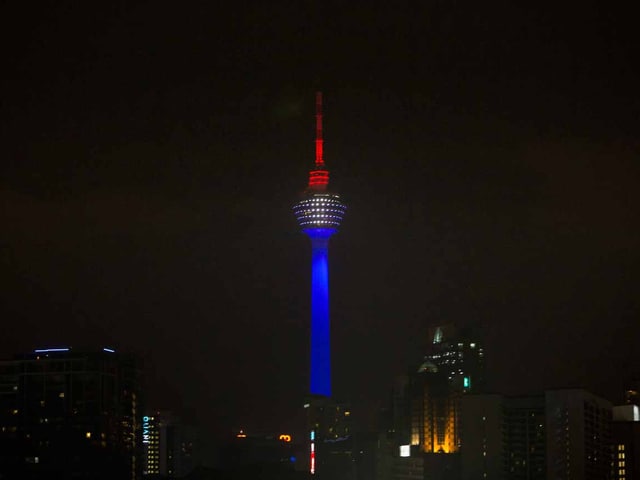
(319, 215)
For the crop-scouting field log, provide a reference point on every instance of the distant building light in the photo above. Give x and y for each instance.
(472, 345)
(636, 414)
(437, 336)
(347, 413)
(47, 350)
(466, 382)
(87, 435)
(306, 405)
(405, 450)
(110, 350)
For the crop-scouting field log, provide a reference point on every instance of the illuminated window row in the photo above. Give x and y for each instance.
(306, 213)
(315, 219)
(323, 210)
(304, 221)
(320, 223)
(306, 217)
(316, 201)
(334, 206)
(319, 213)
(315, 214)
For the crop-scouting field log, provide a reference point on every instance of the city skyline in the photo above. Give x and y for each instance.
(489, 153)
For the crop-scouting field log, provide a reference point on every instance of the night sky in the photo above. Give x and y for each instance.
(488, 153)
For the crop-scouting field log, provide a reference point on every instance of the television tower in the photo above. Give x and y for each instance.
(319, 215)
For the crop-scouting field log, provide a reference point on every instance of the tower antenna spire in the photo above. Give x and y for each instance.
(319, 140)
(319, 175)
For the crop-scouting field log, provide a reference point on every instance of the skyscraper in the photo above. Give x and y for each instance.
(169, 445)
(458, 353)
(426, 405)
(319, 215)
(558, 434)
(70, 414)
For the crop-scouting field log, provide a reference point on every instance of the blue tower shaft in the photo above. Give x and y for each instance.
(320, 383)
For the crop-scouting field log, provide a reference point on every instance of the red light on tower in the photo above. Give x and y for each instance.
(319, 140)
(319, 176)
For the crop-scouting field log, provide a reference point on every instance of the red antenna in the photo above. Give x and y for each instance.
(319, 176)
(319, 159)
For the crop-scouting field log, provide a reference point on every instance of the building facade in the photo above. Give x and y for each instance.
(70, 414)
(558, 435)
(425, 413)
(169, 446)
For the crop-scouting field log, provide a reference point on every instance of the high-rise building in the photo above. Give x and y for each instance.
(561, 434)
(482, 454)
(69, 414)
(458, 353)
(319, 215)
(331, 434)
(169, 446)
(578, 426)
(524, 429)
(426, 412)
(626, 442)
(151, 444)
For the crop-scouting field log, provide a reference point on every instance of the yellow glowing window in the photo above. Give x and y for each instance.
(87, 435)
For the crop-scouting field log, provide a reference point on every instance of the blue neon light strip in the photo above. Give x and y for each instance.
(320, 334)
(110, 350)
(47, 350)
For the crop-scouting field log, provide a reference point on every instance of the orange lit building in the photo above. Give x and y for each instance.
(426, 406)
(434, 413)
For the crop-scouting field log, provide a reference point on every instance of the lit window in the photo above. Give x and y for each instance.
(87, 435)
